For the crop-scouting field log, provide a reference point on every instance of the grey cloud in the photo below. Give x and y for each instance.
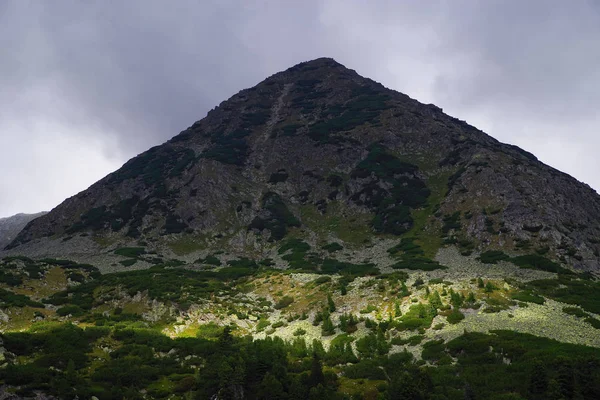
(97, 82)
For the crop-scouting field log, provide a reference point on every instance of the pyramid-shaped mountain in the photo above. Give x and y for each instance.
(320, 153)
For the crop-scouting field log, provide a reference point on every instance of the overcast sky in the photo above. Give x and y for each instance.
(85, 85)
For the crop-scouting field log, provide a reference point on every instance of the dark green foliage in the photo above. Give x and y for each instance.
(493, 256)
(174, 224)
(418, 316)
(297, 252)
(372, 345)
(489, 287)
(17, 258)
(340, 351)
(279, 217)
(583, 293)
(209, 331)
(10, 279)
(10, 299)
(382, 165)
(391, 207)
(56, 360)
(284, 302)
(455, 177)
(335, 180)
(115, 217)
(130, 252)
(155, 165)
(433, 350)
(412, 258)
(421, 263)
(566, 364)
(528, 296)
(232, 148)
(279, 176)
(543, 250)
(407, 247)
(365, 369)
(331, 266)
(365, 107)
(435, 300)
(535, 261)
(163, 284)
(210, 260)
(290, 129)
(129, 262)
(455, 316)
(332, 247)
(348, 323)
(256, 118)
(76, 277)
(578, 312)
(330, 303)
(451, 222)
(412, 341)
(295, 246)
(322, 279)
(327, 329)
(73, 310)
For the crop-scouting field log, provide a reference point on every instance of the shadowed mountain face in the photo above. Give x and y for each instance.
(321, 153)
(11, 226)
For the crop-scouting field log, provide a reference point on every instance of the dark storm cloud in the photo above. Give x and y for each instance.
(88, 84)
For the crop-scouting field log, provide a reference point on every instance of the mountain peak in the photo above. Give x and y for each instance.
(318, 151)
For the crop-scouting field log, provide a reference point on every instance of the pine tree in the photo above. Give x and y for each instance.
(270, 389)
(330, 303)
(328, 328)
(404, 290)
(316, 376)
(538, 383)
(471, 298)
(397, 310)
(435, 300)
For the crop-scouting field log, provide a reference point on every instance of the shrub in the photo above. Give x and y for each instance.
(128, 263)
(493, 256)
(455, 317)
(279, 217)
(284, 302)
(421, 263)
(73, 310)
(332, 247)
(209, 331)
(229, 149)
(279, 176)
(322, 279)
(10, 299)
(535, 261)
(528, 296)
(130, 252)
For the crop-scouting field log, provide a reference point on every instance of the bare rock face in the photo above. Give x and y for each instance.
(323, 153)
(11, 226)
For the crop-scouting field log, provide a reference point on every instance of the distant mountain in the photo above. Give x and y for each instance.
(321, 153)
(11, 226)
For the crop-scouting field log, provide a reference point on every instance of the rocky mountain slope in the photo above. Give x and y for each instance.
(315, 237)
(320, 153)
(11, 226)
